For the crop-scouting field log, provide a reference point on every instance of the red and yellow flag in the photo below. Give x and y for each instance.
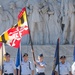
(13, 35)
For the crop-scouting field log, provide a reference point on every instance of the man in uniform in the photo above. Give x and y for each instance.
(40, 65)
(26, 66)
(73, 68)
(9, 67)
(64, 67)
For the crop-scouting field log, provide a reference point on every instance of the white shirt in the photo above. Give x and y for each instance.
(64, 68)
(73, 68)
(9, 67)
(25, 68)
(38, 69)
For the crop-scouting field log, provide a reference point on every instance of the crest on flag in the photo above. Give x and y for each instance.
(13, 35)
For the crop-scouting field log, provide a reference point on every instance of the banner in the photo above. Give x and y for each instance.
(13, 35)
(2, 47)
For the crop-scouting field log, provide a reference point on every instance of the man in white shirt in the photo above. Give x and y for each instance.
(73, 68)
(26, 66)
(64, 67)
(40, 65)
(9, 67)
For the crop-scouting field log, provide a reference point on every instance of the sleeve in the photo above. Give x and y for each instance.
(31, 65)
(18, 67)
(13, 64)
(44, 64)
(73, 68)
(69, 66)
(56, 69)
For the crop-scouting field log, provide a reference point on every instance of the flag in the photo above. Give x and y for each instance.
(74, 54)
(18, 58)
(22, 18)
(22, 21)
(11, 37)
(56, 58)
(14, 34)
(2, 47)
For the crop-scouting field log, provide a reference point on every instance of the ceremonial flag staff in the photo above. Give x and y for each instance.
(2, 60)
(32, 49)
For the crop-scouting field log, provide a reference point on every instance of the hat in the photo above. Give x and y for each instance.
(25, 54)
(7, 54)
(40, 55)
(63, 57)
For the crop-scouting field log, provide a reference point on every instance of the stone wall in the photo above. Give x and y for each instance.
(48, 19)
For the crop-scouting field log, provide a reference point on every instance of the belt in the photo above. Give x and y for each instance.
(25, 74)
(40, 73)
(64, 74)
(8, 74)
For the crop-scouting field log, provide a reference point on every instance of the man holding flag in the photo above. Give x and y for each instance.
(62, 67)
(65, 68)
(26, 67)
(73, 65)
(9, 67)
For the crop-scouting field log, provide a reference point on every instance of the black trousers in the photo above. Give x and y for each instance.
(8, 74)
(40, 74)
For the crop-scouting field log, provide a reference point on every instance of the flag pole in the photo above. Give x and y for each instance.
(32, 49)
(20, 58)
(58, 59)
(2, 60)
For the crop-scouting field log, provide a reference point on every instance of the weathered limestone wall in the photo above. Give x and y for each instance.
(48, 19)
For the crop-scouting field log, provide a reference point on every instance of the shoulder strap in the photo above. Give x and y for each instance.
(29, 65)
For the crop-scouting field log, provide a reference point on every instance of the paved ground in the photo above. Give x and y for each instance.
(47, 50)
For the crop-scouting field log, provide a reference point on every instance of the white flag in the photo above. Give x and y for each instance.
(2, 47)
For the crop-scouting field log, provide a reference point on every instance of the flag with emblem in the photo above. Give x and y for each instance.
(22, 21)
(2, 52)
(14, 34)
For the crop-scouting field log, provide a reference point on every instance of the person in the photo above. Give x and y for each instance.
(26, 66)
(9, 67)
(35, 21)
(54, 22)
(73, 68)
(40, 65)
(64, 67)
(44, 13)
(14, 11)
(69, 17)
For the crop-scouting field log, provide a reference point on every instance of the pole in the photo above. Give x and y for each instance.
(58, 59)
(32, 49)
(2, 60)
(20, 58)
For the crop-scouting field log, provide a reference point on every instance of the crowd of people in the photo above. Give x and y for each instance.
(26, 66)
